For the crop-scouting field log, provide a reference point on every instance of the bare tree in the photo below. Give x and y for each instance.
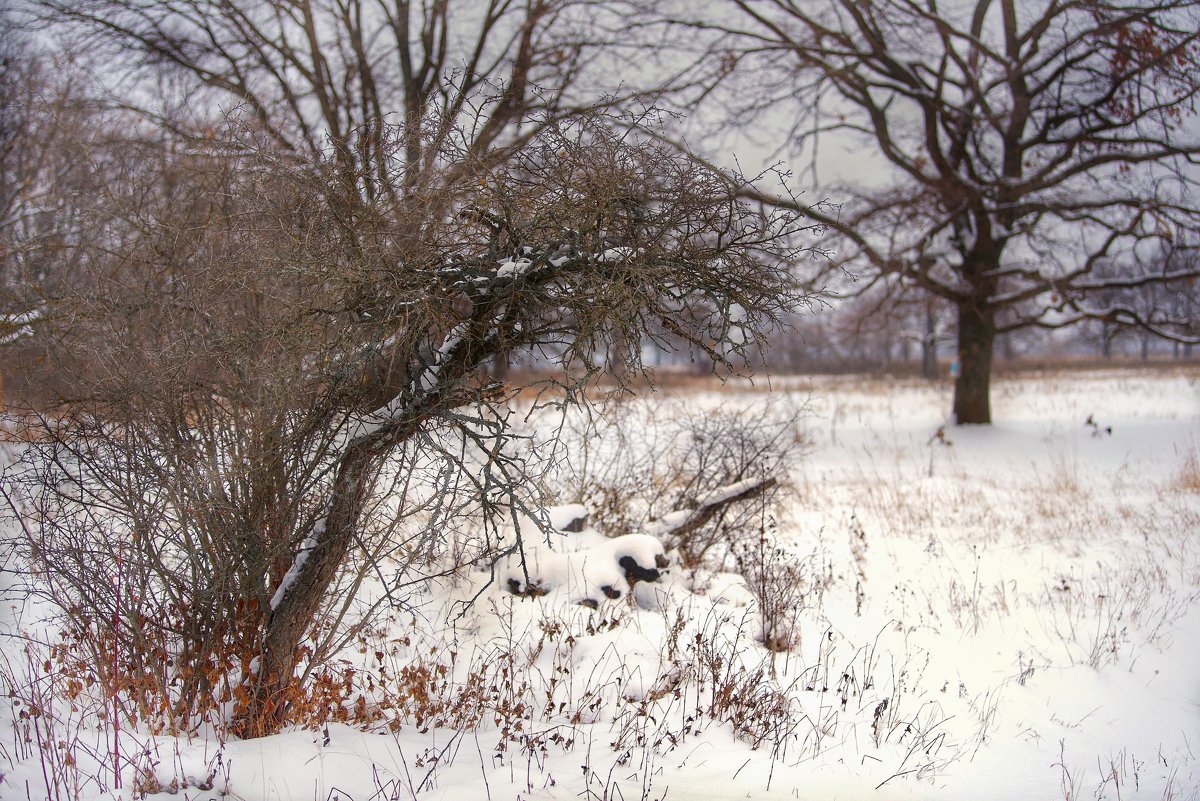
(339, 71)
(61, 149)
(1021, 146)
(40, 115)
(272, 360)
(322, 75)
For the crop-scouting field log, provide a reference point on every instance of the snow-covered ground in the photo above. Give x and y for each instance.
(974, 613)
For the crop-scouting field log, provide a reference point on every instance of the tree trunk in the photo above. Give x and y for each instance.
(929, 362)
(288, 623)
(976, 341)
(498, 370)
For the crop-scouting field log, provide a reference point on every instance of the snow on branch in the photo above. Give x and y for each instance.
(15, 326)
(684, 521)
(293, 571)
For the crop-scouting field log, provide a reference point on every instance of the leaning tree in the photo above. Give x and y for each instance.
(274, 367)
(1022, 161)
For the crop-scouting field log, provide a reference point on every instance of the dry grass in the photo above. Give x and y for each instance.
(1187, 476)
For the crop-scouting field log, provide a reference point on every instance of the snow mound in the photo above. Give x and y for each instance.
(586, 566)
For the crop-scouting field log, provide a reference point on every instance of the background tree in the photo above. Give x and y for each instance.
(1139, 310)
(45, 182)
(273, 359)
(318, 73)
(1021, 147)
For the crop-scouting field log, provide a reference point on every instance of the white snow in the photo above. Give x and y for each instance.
(1025, 597)
(564, 515)
(21, 324)
(513, 268)
(612, 255)
(579, 565)
(430, 377)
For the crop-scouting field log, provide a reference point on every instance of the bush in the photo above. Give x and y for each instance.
(278, 377)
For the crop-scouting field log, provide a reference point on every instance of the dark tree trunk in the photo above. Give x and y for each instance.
(929, 362)
(288, 623)
(499, 367)
(976, 342)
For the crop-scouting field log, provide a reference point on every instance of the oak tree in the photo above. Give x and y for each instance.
(1026, 162)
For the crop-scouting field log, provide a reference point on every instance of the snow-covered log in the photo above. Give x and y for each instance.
(679, 524)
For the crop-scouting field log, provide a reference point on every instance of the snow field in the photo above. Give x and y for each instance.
(990, 613)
